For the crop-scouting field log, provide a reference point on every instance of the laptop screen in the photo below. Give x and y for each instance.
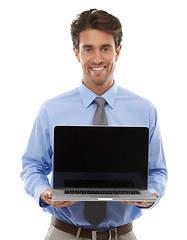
(100, 156)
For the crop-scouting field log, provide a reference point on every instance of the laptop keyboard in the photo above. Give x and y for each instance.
(127, 192)
(81, 183)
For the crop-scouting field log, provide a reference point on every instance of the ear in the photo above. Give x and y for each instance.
(76, 53)
(118, 50)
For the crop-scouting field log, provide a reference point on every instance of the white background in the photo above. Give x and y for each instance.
(37, 63)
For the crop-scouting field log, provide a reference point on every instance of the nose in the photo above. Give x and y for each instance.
(97, 57)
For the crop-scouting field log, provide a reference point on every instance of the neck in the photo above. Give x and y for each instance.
(98, 89)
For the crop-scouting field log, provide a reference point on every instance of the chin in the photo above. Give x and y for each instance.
(99, 82)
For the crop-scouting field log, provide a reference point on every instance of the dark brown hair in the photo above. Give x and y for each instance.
(96, 19)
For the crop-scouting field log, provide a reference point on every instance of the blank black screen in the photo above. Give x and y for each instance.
(100, 149)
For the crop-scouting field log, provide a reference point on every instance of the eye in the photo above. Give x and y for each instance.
(106, 49)
(88, 50)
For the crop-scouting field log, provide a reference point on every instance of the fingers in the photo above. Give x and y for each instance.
(46, 197)
(125, 202)
(60, 204)
(139, 204)
(142, 204)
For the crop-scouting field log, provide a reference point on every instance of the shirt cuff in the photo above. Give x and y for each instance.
(43, 204)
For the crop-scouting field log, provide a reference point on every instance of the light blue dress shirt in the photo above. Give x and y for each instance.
(123, 108)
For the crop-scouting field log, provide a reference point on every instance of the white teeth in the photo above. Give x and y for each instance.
(98, 69)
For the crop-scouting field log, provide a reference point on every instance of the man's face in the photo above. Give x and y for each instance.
(97, 55)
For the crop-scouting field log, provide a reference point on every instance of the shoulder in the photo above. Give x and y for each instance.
(138, 104)
(58, 103)
(62, 98)
(126, 95)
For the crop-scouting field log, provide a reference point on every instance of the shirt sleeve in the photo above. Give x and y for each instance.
(37, 159)
(157, 165)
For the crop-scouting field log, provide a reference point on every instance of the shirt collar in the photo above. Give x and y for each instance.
(110, 95)
(88, 96)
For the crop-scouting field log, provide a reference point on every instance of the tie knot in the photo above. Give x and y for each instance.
(100, 101)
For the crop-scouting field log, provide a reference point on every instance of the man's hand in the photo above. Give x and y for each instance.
(142, 204)
(46, 197)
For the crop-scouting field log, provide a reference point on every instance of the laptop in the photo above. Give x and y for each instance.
(101, 163)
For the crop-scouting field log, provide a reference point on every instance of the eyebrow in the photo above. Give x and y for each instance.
(87, 46)
(103, 46)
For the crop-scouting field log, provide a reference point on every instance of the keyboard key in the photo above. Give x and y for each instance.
(127, 192)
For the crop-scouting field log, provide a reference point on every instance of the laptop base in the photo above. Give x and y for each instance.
(143, 196)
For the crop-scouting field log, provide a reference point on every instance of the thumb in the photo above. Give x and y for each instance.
(48, 193)
(155, 194)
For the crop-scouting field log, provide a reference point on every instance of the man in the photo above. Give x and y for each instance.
(97, 38)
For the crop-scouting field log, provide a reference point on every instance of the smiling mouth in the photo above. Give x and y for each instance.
(97, 68)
